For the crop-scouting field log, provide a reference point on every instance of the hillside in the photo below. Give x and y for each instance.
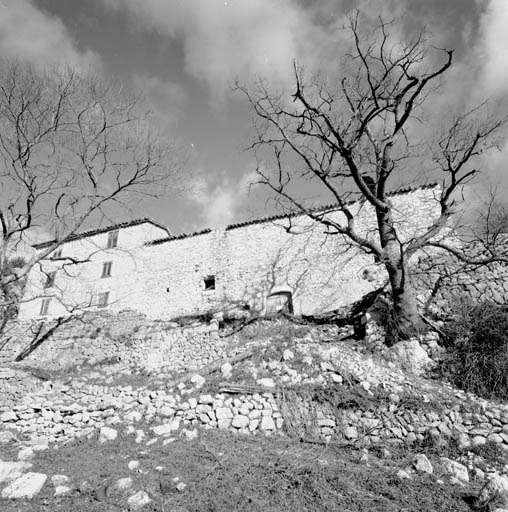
(288, 416)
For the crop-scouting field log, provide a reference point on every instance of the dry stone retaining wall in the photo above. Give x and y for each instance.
(77, 410)
(126, 337)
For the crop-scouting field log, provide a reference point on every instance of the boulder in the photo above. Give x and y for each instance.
(26, 453)
(123, 484)
(59, 479)
(62, 490)
(494, 492)
(226, 370)
(266, 382)
(11, 470)
(410, 356)
(198, 380)
(138, 501)
(107, 434)
(422, 464)
(25, 486)
(351, 433)
(458, 472)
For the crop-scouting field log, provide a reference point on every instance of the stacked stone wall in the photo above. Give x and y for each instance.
(78, 409)
(126, 337)
(442, 282)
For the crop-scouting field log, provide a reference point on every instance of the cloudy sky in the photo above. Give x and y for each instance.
(185, 55)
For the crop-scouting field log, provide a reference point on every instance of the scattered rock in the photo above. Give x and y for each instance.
(62, 490)
(288, 355)
(191, 434)
(351, 433)
(25, 486)
(11, 470)
(402, 474)
(138, 501)
(198, 380)
(266, 382)
(495, 492)
(59, 479)
(122, 484)
(133, 465)
(226, 370)
(107, 434)
(458, 472)
(26, 454)
(410, 356)
(422, 464)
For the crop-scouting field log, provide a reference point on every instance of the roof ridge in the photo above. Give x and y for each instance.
(97, 231)
(229, 227)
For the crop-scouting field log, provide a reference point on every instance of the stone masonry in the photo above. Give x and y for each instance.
(232, 270)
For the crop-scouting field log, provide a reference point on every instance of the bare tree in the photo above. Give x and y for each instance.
(358, 137)
(73, 150)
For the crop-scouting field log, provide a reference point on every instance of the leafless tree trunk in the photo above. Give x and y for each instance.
(358, 137)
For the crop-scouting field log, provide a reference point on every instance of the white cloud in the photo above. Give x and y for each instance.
(226, 39)
(492, 51)
(167, 99)
(220, 203)
(26, 33)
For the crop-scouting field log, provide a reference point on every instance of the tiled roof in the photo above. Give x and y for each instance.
(178, 237)
(324, 208)
(98, 231)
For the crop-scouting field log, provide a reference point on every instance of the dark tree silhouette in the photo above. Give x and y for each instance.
(355, 139)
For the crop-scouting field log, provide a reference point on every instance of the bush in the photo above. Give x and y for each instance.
(476, 339)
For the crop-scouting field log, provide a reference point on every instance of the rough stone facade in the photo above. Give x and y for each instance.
(229, 270)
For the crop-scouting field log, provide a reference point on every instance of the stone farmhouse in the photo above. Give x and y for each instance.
(252, 267)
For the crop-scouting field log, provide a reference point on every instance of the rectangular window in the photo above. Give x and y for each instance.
(103, 299)
(57, 254)
(106, 269)
(209, 283)
(112, 239)
(50, 279)
(45, 307)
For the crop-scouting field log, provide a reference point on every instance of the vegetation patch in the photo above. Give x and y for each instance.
(224, 472)
(477, 349)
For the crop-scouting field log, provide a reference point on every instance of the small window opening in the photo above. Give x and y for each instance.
(209, 283)
(103, 299)
(112, 239)
(50, 279)
(106, 268)
(57, 254)
(45, 306)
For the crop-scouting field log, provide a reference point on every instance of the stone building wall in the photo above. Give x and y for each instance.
(247, 262)
(77, 287)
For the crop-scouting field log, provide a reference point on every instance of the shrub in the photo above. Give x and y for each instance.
(476, 338)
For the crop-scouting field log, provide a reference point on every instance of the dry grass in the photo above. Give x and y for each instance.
(226, 472)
